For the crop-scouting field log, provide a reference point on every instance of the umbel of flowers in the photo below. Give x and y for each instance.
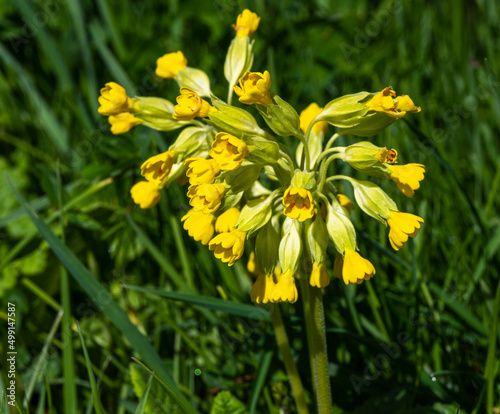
(246, 189)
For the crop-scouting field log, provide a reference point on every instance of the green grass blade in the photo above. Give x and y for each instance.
(93, 385)
(109, 20)
(232, 308)
(110, 308)
(264, 364)
(141, 407)
(491, 361)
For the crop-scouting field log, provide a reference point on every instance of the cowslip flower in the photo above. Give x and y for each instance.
(146, 194)
(407, 177)
(226, 221)
(386, 101)
(298, 203)
(190, 105)
(201, 171)
(170, 64)
(200, 226)
(254, 88)
(285, 290)
(157, 169)
(308, 114)
(114, 100)
(355, 268)
(262, 289)
(403, 226)
(246, 23)
(206, 197)
(228, 151)
(228, 247)
(346, 203)
(123, 122)
(319, 276)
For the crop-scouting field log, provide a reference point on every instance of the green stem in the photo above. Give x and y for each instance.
(306, 151)
(230, 94)
(291, 368)
(323, 170)
(316, 338)
(331, 141)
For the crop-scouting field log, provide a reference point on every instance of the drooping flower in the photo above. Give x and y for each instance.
(319, 276)
(123, 122)
(226, 221)
(190, 105)
(403, 226)
(114, 100)
(356, 268)
(146, 194)
(157, 169)
(407, 177)
(246, 23)
(254, 88)
(201, 171)
(262, 289)
(206, 197)
(200, 226)
(228, 247)
(308, 114)
(170, 64)
(285, 290)
(228, 151)
(298, 203)
(386, 101)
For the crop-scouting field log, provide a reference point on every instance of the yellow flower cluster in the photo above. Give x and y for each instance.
(245, 184)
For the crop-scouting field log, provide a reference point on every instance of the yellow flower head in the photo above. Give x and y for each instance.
(156, 169)
(228, 151)
(403, 225)
(262, 289)
(254, 88)
(200, 226)
(145, 194)
(114, 100)
(123, 122)
(246, 23)
(298, 203)
(285, 290)
(308, 114)
(356, 268)
(201, 170)
(190, 105)
(228, 247)
(252, 264)
(345, 202)
(226, 221)
(170, 64)
(319, 276)
(206, 197)
(408, 177)
(386, 101)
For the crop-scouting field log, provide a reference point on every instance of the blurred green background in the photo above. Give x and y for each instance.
(436, 296)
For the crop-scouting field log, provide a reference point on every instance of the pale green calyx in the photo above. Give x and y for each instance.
(290, 249)
(194, 79)
(266, 249)
(281, 117)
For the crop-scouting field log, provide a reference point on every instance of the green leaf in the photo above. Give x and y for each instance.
(226, 403)
(141, 407)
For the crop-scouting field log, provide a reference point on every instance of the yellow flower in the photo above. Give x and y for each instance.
(246, 23)
(123, 122)
(252, 264)
(206, 197)
(387, 156)
(114, 100)
(262, 289)
(356, 268)
(156, 169)
(308, 114)
(190, 105)
(145, 194)
(228, 247)
(407, 177)
(170, 64)
(228, 151)
(200, 226)
(403, 225)
(346, 203)
(226, 221)
(386, 101)
(285, 290)
(254, 88)
(201, 170)
(319, 276)
(298, 203)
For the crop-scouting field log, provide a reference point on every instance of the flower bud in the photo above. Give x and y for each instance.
(246, 24)
(367, 158)
(266, 248)
(193, 140)
(156, 113)
(340, 228)
(317, 239)
(239, 59)
(290, 249)
(242, 178)
(170, 64)
(373, 200)
(281, 117)
(194, 79)
(254, 215)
